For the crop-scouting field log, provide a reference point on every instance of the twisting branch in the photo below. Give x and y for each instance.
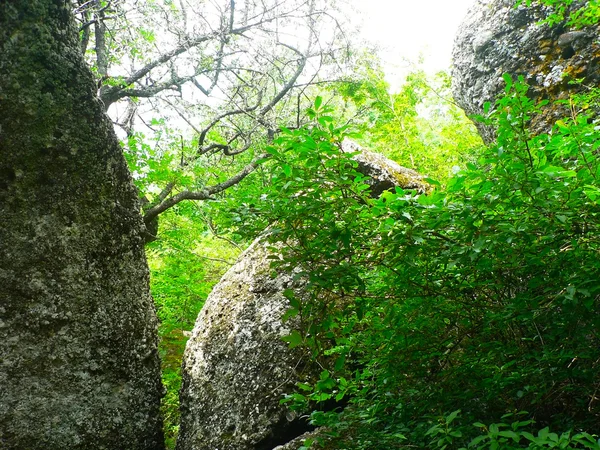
(227, 74)
(85, 28)
(101, 51)
(162, 196)
(113, 93)
(205, 194)
(260, 117)
(289, 85)
(219, 118)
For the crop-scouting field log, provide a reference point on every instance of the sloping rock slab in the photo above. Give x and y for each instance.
(497, 38)
(384, 173)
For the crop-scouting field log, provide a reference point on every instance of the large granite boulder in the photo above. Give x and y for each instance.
(236, 367)
(79, 365)
(497, 38)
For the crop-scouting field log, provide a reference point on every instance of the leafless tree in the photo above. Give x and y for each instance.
(232, 71)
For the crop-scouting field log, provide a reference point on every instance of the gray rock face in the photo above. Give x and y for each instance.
(79, 366)
(236, 368)
(298, 442)
(384, 173)
(497, 38)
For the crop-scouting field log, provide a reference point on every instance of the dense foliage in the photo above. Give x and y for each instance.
(198, 241)
(185, 263)
(468, 316)
(418, 126)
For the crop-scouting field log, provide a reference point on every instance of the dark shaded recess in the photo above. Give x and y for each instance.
(286, 431)
(521, 18)
(568, 52)
(150, 234)
(7, 176)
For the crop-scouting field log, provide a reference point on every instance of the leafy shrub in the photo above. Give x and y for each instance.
(483, 296)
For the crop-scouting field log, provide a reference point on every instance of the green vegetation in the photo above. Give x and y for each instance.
(578, 14)
(185, 264)
(463, 318)
(419, 126)
(199, 241)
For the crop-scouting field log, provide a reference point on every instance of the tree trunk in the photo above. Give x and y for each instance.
(79, 367)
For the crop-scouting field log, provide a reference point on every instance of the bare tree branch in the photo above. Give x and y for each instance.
(218, 119)
(289, 85)
(85, 29)
(226, 68)
(112, 93)
(205, 194)
(101, 51)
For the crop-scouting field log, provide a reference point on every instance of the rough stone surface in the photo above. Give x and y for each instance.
(298, 442)
(497, 38)
(384, 173)
(79, 366)
(236, 368)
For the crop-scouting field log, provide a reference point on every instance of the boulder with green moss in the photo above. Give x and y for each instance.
(79, 365)
(236, 367)
(384, 174)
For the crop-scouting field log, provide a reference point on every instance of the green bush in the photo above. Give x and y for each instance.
(483, 296)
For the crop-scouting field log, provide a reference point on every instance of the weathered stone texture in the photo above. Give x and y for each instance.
(298, 442)
(79, 366)
(384, 174)
(236, 368)
(497, 38)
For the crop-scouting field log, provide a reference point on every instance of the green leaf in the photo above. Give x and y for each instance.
(477, 440)
(287, 169)
(294, 339)
(509, 434)
(318, 102)
(291, 312)
(452, 416)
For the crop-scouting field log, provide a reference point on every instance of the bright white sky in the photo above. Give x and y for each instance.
(406, 29)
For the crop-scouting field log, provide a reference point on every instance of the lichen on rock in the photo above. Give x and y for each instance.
(384, 174)
(496, 38)
(236, 367)
(79, 366)
(298, 442)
